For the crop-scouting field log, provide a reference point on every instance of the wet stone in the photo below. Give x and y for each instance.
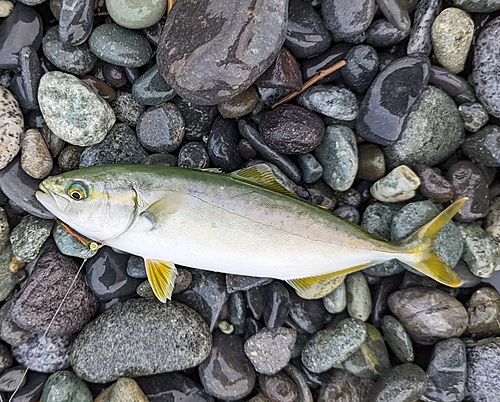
(6, 359)
(10, 332)
(222, 145)
(396, 13)
(404, 383)
(452, 84)
(483, 147)
(114, 75)
(359, 302)
(310, 167)
(12, 127)
(347, 20)
(127, 109)
(76, 20)
(309, 315)
(428, 315)
(483, 372)
(246, 149)
(136, 15)
(434, 186)
(205, 72)
(397, 339)
(451, 34)
(474, 116)
(343, 386)
(120, 46)
(337, 153)
(237, 312)
(161, 128)
(361, 69)
(420, 37)
(336, 301)
(278, 387)
(338, 103)
(100, 87)
(380, 109)
(198, 119)
(234, 384)
(151, 89)
(194, 155)
(400, 184)
(64, 385)
(270, 350)
(484, 308)
(371, 162)
(77, 60)
(35, 156)
(28, 237)
(236, 283)
(82, 125)
(239, 105)
(119, 146)
(432, 131)
(53, 274)
(333, 345)
(468, 180)
(12, 378)
(291, 129)
(140, 325)
(382, 33)
(306, 36)
(276, 304)
(30, 72)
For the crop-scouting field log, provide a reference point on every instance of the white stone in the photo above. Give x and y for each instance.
(399, 185)
(11, 127)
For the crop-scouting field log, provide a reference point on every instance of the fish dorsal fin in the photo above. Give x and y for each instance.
(161, 277)
(261, 175)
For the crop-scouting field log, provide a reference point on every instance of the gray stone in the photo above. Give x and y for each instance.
(65, 386)
(483, 308)
(338, 103)
(492, 221)
(12, 127)
(400, 184)
(359, 302)
(4, 230)
(6, 281)
(477, 6)
(483, 372)
(404, 383)
(123, 390)
(140, 325)
(347, 20)
(342, 386)
(151, 88)
(336, 301)
(136, 14)
(397, 339)
(36, 159)
(483, 147)
(69, 244)
(127, 109)
(28, 237)
(474, 116)
(10, 332)
(420, 37)
(311, 168)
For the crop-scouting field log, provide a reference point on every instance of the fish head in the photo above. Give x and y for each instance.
(94, 203)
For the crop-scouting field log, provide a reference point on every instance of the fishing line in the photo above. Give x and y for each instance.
(25, 372)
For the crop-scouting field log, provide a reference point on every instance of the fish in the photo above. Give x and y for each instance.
(242, 223)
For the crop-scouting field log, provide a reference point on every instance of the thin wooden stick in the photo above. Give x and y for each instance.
(311, 81)
(170, 4)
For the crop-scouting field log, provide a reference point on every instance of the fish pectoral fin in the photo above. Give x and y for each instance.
(161, 277)
(316, 287)
(169, 204)
(261, 175)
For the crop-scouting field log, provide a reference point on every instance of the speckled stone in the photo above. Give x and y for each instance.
(183, 334)
(483, 147)
(12, 127)
(338, 103)
(483, 373)
(337, 153)
(492, 221)
(64, 385)
(231, 46)
(6, 278)
(239, 105)
(343, 386)
(10, 332)
(136, 14)
(477, 6)
(28, 237)
(151, 89)
(397, 339)
(474, 116)
(194, 155)
(399, 185)
(197, 119)
(483, 308)
(451, 35)
(336, 301)
(68, 244)
(69, 158)
(434, 186)
(481, 250)
(4, 229)
(359, 302)
(36, 159)
(123, 390)
(420, 37)
(77, 60)
(126, 108)
(404, 383)
(72, 110)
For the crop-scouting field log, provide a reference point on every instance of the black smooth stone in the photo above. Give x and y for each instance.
(236, 283)
(314, 65)
(390, 98)
(17, 89)
(76, 21)
(151, 89)
(34, 119)
(237, 312)
(193, 155)
(450, 83)
(306, 35)
(361, 68)
(380, 293)
(198, 120)
(227, 384)
(383, 34)
(114, 75)
(252, 326)
(106, 274)
(284, 73)
(347, 19)
(276, 300)
(23, 27)
(30, 70)
(484, 146)
(309, 315)
(255, 302)
(132, 74)
(32, 389)
(153, 33)
(222, 145)
(396, 13)
(246, 149)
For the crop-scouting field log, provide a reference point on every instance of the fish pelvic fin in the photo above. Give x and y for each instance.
(421, 251)
(161, 277)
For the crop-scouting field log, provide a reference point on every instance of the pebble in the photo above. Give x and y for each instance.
(10, 332)
(123, 390)
(361, 69)
(69, 245)
(198, 119)
(227, 384)
(433, 185)
(492, 221)
(483, 308)
(432, 131)
(451, 35)
(347, 20)
(276, 304)
(382, 114)
(100, 87)
(371, 162)
(270, 350)
(64, 385)
(136, 15)
(120, 46)
(36, 159)
(151, 89)
(308, 315)
(12, 378)
(338, 103)
(45, 354)
(483, 147)
(222, 145)
(396, 13)
(77, 60)
(72, 110)
(6, 8)
(284, 73)
(114, 75)
(278, 387)
(310, 167)
(428, 315)
(485, 65)
(28, 237)
(468, 180)
(12, 127)
(23, 27)
(400, 184)
(30, 73)
(119, 146)
(343, 386)
(236, 283)
(207, 73)
(127, 109)
(477, 6)
(239, 105)
(404, 383)
(140, 325)
(452, 84)
(194, 155)
(161, 128)
(333, 345)
(306, 35)
(359, 302)
(33, 388)
(397, 339)
(4, 230)
(76, 20)
(420, 37)
(337, 153)
(336, 301)
(474, 116)
(483, 374)
(481, 250)
(382, 33)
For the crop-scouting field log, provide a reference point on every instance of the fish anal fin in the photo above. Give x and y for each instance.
(161, 276)
(261, 175)
(316, 287)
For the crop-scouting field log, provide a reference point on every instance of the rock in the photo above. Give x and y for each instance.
(481, 250)
(371, 162)
(76, 20)
(420, 37)
(284, 73)
(474, 116)
(404, 383)
(6, 8)
(400, 184)
(396, 13)
(127, 109)
(311, 168)
(308, 315)
(12, 378)
(12, 127)
(30, 73)
(207, 73)
(72, 110)
(4, 230)
(140, 325)
(270, 350)
(222, 145)
(33, 388)
(483, 147)
(347, 20)
(336, 301)
(477, 6)
(120, 46)
(483, 374)
(278, 387)
(10, 332)
(434, 186)
(35, 156)
(452, 84)
(361, 69)
(338, 103)
(123, 390)
(382, 33)
(428, 315)
(194, 155)
(28, 237)
(359, 302)
(492, 221)
(397, 339)
(151, 89)
(64, 385)
(198, 120)
(239, 105)
(342, 386)
(451, 34)
(484, 308)
(136, 15)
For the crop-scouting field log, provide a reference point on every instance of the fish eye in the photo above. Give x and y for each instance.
(77, 191)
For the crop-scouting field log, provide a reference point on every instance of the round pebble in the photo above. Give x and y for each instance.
(359, 302)
(12, 127)
(64, 385)
(483, 363)
(404, 383)
(311, 168)
(400, 184)
(397, 339)
(371, 162)
(434, 186)
(136, 14)
(338, 103)
(240, 105)
(336, 301)
(194, 155)
(28, 237)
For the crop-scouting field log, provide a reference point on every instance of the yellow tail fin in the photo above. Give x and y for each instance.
(422, 254)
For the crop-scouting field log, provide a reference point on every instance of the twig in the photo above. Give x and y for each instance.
(170, 4)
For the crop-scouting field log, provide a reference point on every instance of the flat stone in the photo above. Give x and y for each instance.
(28, 237)
(404, 383)
(76, 20)
(397, 339)
(12, 127)
(136, 14)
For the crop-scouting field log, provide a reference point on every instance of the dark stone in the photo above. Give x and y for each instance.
(483, 147)
(76, 21)
(347, 19)
(114, 75)
(237, 312)
(382, 113)
(306, 36)
(222, 145)
(278, 387)
(246, 149)
(151, 89)
(194, 155)
(434, 186)
(404, 383)
(341, 386)
(255, 302)
(100, 87)
(309, 315)
(236, 283)
(276, 301)
(32, 390)
(483, 372)
(483, 308)
(29, 65)
(229, 48)
(450, 83)
(230, 385)
(198, 119)
(361, 68)
(314, 65)
(396, 13)
(284, 73)
(420, 38)
(348, 213)
(382, 34)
